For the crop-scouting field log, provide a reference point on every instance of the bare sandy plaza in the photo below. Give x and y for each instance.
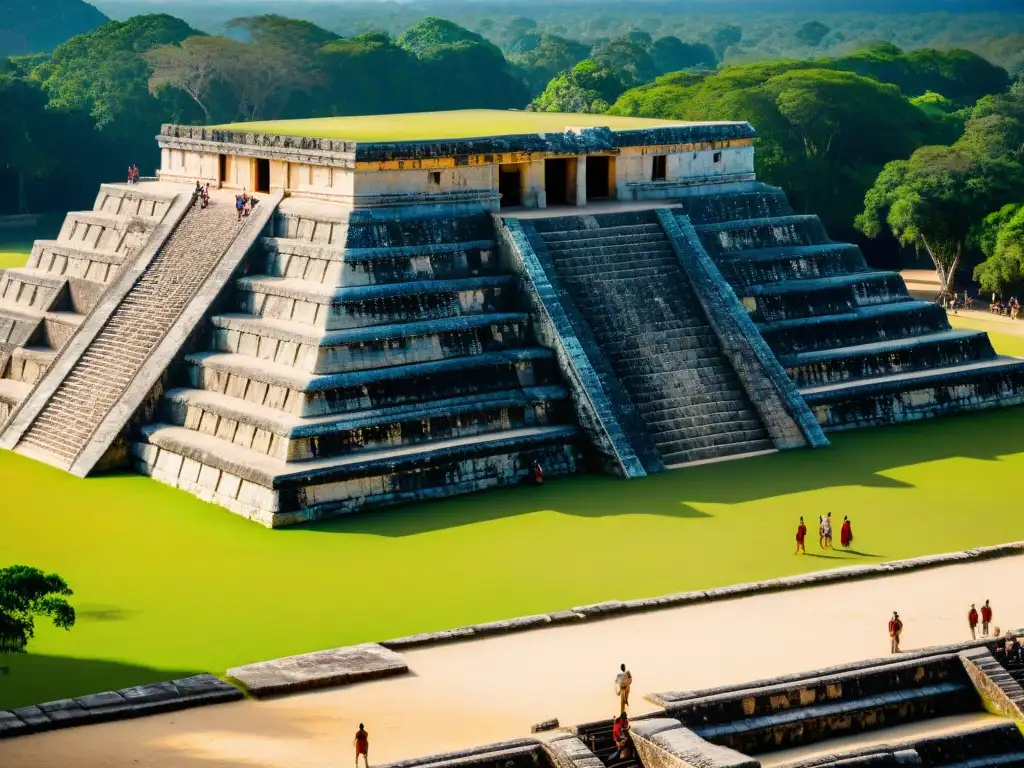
(463, 695)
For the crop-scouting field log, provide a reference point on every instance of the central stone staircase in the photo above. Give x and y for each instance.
(862, 352)
(625, 279)
(364, 359)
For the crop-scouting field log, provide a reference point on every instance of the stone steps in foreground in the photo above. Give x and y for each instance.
(276, 493)
(264, 382)
(293, 439)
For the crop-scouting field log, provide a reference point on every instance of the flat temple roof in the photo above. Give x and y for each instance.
(440, 126)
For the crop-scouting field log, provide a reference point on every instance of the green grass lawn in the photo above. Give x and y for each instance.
(166, 585)
(426, 126)
(16, 244)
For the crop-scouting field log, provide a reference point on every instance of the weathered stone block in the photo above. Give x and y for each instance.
(324, 668)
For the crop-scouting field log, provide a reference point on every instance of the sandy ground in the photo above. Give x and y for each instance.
(464, 695)
(923, 284)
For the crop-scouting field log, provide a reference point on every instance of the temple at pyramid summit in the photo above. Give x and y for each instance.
(426, 305)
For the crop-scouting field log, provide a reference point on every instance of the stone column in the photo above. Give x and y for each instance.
(581, 180)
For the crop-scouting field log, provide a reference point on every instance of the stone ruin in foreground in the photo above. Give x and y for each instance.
(405, 321)
(953, 707)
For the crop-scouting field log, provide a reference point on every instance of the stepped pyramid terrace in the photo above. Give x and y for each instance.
(426, 305)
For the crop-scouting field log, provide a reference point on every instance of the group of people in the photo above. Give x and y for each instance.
(133, 174)
(986, 620)
(824, 533)
(1000, 307)
(1013, 651)
(203, 194)
(244, 203)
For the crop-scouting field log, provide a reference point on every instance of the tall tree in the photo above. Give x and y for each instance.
(26, 594)
(934, 199)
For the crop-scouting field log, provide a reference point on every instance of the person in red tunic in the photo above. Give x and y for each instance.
(362, 742)
(972, 621)
(846, 533)
(538, 473)
(620, 734)
(801, 534)
(895, 629)
(986, 618)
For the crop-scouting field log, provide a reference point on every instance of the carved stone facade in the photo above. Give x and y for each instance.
(575, 167)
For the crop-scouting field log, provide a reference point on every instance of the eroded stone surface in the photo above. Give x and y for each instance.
(665, 743)
(323, 668)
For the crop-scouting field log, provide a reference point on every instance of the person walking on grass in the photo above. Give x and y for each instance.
(801, 534)
(821, 531)
(972, 621)
(895, 630)
(826, 531)
(846, 533)
(623, 682)
(986, 618)
(362, 743)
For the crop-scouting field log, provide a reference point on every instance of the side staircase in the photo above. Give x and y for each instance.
(43, 303)
(626, 281)
(363, 360)
(862, 352)
(598, 737)
(80, 406)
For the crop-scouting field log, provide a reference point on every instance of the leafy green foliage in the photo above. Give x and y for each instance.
(818, 129)
(1001, 238)
(424, 38)
(26, 594)
(959, 75)
(27, 28)
(588, 88)
(104, 74)
(540, 57)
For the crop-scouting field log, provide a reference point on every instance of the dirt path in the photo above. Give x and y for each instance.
(470, 694)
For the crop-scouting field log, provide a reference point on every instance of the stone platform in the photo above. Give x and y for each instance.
(340, 666)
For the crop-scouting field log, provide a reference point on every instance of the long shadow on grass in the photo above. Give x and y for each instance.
(34, 678)
(855, 459)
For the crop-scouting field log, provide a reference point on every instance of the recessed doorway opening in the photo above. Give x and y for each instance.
(598, 177)
(263, 176)
(556, 181)
(510, 186)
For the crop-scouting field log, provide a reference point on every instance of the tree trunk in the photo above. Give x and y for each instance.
(944, 273)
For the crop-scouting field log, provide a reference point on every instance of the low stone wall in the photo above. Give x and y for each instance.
(782, 410)
(137, 701)
(600, 406)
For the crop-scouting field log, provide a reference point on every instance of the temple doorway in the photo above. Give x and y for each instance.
(598, 177)
(222, 170)
(510, 186)
(263, 176)
(556, 181)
